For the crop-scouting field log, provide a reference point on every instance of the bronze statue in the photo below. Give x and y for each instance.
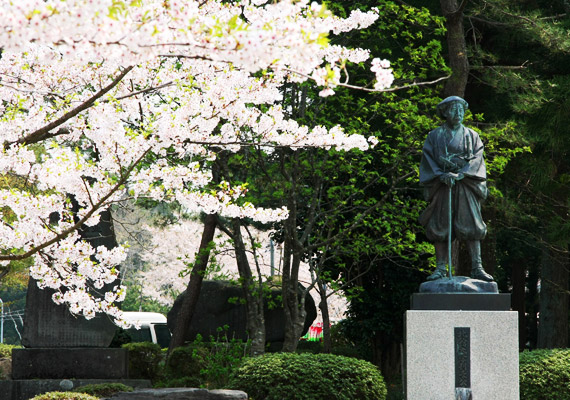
(453, 174)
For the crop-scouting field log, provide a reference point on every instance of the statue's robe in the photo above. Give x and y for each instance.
(465, 151)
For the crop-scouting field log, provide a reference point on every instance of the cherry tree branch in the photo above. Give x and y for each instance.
(44, 132)
(63, 234)
(390, 89)
(143, 91)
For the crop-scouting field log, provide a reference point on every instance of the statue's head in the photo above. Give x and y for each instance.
(454, 102)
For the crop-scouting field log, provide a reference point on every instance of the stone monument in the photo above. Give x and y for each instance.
(461, 337)
(60, 347)
(220, 304)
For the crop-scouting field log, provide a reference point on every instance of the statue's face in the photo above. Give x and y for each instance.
(455, 113)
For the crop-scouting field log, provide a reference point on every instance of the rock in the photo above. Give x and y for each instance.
(180, 394)
(47, 324)
(66, 385)
(458, 284)
(220, 304)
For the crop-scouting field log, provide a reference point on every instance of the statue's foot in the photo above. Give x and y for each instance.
(437, 274)
(479, 273)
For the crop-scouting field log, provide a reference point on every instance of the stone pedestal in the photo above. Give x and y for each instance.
(453, 353)
(69, 363)
(461, 301)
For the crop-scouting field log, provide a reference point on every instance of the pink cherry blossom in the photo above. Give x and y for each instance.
(99, 98)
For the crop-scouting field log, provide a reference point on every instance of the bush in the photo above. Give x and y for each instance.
(186, 361)
(6, 350)
(103, 389)
(144, 360)
(64, 396)
(545, 374)
(345, 344)
(204, 364)
(306, 346)
(289, 376)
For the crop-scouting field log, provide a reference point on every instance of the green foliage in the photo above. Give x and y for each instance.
(6, 350)
(5, 354)
(103, 389)
(343, 345)
(310, 346)
(204, 364)
(64, 396)
(545, 374)
(135, 301)
(289, 376)
(144, 360)
(186, 360)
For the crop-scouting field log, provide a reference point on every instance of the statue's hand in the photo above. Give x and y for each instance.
(459, 162)
(449, 178)
(448, 164)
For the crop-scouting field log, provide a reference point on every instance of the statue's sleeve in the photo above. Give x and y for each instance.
(429, 168)
(475, 168)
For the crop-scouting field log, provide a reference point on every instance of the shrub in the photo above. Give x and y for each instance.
(545, 374)
(64, 396)
(186, 361)
(289, 376)
(204, 364)
(344, 344)
(144, 360)
(103, 389)
(6, 350)
(306, 346)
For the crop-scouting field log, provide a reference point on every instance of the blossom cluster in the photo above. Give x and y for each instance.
(108, 99)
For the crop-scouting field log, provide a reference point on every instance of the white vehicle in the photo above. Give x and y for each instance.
(153, 327)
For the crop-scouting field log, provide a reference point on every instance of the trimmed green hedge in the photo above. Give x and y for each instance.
(545, 374)
(144, 360)
(64, 396)
(289, 376)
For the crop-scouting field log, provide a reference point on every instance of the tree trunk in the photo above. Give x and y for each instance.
(386, 354)
(293, 304)
(518, 276)
(553, 322)
(193, 290)
(532, 310)
(457, 49)
(324, 306)
(253, 295)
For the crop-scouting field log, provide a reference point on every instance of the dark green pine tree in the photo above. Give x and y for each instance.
(518, 52)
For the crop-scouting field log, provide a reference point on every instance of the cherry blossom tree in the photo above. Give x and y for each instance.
(104, 100)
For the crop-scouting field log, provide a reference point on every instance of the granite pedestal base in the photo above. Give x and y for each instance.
(70, 363)
(449, 352)
(26, 389)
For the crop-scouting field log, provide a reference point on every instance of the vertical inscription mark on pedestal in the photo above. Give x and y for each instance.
(462, 357)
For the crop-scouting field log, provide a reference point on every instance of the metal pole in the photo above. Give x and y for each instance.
(272, 256)
(2, 324)
(449, 234)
